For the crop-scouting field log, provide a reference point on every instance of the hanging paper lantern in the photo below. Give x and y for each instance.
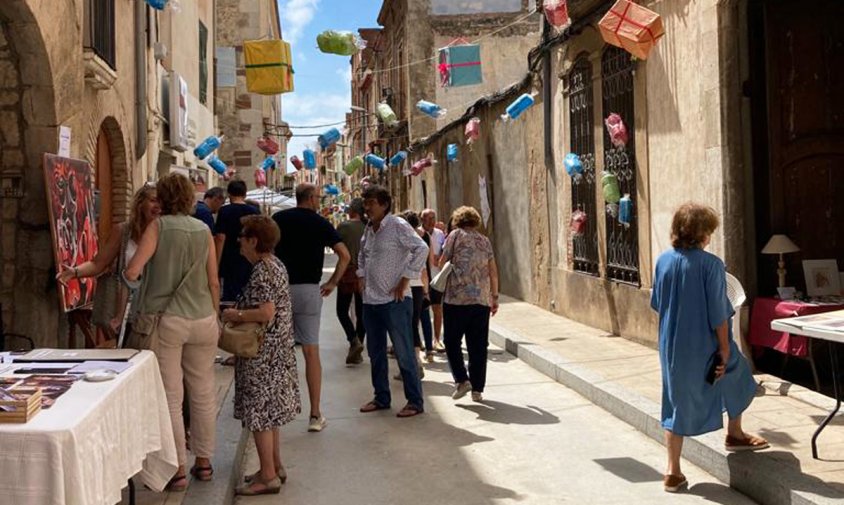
(574, 167)
(460, 65)
(430, 109)
(473, 130)
(267, 164)
(631, 27)
(376, 161)
(331, 189)
(519, 105)
(229, 174)
(625, 211)
(342, 43)
(609, 187)
(421, 165)
(451, 152)
(398, 158)
(353, 166)
(207, 146)
(160, 5)
(269, 66)
(260, 178)
(386, 115)
(557, 13)
(310, 159)
(578, 223)
(296, 162)
(328, 138)
(617, 130)
(268, 145)
(217, 164)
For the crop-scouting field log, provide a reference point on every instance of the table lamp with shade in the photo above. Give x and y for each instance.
(780, 244)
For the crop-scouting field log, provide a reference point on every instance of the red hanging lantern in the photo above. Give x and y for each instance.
(268, 145)
(557, 13)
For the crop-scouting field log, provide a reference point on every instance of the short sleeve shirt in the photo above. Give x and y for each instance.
(469, 253)
(234, 268)
(304, 237)
(351, 232)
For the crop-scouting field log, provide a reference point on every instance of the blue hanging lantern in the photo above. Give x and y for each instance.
(430, 109)
(451, 152)
(268, 164)
(310, 159)
(158, 5)
(398, 158)
(329, 138)
(207, 146)
(519, 105)
(376, 161)
(625, 211)
(574, 166)
(331, 189)
(217, 164)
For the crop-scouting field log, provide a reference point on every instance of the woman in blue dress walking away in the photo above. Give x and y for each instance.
(695, 336)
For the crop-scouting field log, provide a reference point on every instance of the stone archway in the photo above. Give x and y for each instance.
(28, 119)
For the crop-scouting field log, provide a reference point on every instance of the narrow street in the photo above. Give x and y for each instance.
(531, 441)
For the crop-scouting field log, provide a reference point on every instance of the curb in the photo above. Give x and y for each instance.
(771, 477)
(228, 459)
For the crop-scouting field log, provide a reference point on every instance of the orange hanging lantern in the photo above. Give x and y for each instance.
(631, 27)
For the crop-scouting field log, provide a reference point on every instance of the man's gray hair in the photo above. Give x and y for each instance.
(428, 212)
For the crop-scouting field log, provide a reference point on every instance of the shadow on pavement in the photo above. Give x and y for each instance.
(630, 469)
(715, 493)
(504, 413)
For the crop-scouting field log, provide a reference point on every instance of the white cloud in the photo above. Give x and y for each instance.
(300, 57)
(295, 17)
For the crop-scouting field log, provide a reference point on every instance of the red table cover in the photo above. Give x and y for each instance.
(766, 310)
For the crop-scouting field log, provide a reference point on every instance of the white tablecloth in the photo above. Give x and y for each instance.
(84, 449)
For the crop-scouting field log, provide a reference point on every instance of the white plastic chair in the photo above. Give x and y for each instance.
(735, 292)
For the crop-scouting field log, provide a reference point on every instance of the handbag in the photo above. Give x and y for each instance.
(440, 281)
(145, 326)
(108, 289)
(242, 339)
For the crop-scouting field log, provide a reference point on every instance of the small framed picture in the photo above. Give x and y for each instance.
(822, 277)
(786, 293)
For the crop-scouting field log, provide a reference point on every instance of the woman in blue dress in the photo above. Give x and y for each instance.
(695, 330)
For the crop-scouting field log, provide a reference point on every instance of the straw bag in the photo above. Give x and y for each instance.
(242, 339)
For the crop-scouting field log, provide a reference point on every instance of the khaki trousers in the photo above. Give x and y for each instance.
(186, 350)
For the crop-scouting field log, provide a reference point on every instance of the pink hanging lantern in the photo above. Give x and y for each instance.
(473, 130)
(617, 130)
(260, 178)
(557, 13)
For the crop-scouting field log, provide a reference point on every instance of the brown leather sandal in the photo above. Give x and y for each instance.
(372, 407)
(674, 483)
(748, 443)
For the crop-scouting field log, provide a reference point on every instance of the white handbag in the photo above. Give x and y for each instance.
(441, 279)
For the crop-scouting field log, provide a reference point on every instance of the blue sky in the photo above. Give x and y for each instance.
(322, 81)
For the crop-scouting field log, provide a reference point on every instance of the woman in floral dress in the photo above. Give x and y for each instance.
(266, 387)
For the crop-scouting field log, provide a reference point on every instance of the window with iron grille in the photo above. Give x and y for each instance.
(203, 64)
(101, 30)
(622, 243)
(582, 124)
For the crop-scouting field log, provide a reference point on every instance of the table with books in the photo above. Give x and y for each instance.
(827, 326)
(89, 438)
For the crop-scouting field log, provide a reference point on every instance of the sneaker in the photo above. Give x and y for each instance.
(461, 390)
(354, 357)
(438, 347)
(674, 483)
(477, 396)
(317, 423)
(429, 356)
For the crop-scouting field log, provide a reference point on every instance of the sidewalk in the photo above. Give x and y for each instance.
(624, 378)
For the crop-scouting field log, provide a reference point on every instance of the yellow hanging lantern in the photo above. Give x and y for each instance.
(269, 67)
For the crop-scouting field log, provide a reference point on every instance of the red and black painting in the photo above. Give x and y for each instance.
(70, 192)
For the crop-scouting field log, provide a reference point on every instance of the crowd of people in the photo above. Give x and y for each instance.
(198, 271)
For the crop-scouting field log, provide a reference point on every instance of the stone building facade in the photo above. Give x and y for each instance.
(720, 113)
(90, 66)
(244, 116)
(400, 67)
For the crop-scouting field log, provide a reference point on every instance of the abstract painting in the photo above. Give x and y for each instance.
(70, 193)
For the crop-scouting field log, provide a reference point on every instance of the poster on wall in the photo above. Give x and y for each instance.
(70, 195)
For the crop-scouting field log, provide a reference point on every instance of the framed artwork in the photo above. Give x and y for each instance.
(70, 196)
(822, 277)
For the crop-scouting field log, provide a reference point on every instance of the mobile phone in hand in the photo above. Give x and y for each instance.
(716, 362)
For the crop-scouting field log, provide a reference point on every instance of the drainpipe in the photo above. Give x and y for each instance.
(140, 80)
(546, 95)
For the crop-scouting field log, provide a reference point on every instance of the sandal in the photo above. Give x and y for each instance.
(674, 483)
(177, 484)
(372, 407)
(282, 476)
(271, 487)
(203, 473)
(410, 411)
(748, 443)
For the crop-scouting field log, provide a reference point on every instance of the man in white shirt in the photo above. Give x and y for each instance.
(429, 218)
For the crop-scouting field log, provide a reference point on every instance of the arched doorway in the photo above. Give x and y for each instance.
(104, 182)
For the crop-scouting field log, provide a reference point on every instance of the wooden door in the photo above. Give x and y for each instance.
(103, 184)
(800, 186)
